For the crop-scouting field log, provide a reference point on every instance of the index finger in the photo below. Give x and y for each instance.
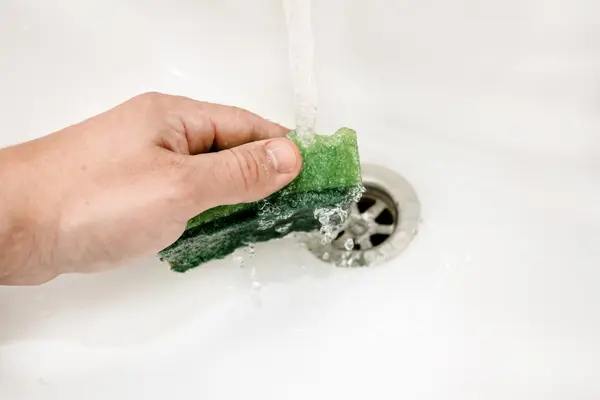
(210, 126)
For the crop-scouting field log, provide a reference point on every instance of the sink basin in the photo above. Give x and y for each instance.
(488, 109)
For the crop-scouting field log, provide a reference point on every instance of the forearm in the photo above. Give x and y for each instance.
(24, 241)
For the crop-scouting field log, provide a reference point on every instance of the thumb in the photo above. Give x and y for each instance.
(245, 173)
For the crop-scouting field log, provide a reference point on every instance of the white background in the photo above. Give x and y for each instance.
(489, 108)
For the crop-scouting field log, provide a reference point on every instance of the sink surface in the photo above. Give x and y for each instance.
(489, 109)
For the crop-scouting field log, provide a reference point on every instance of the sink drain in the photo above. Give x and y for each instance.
(379, 227)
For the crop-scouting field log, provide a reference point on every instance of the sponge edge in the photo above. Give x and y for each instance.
(330, 180)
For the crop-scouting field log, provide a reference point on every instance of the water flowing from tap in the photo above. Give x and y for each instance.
(301, 53)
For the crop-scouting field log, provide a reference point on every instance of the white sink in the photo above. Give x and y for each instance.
(490, 110)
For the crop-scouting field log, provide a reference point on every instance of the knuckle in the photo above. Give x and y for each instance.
(153, 101)
(148, 97)
(246, 116)
(152, 96)
(245, 168)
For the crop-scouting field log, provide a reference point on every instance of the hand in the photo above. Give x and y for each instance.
(124, 183)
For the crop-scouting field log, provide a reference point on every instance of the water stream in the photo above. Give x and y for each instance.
(301, 52)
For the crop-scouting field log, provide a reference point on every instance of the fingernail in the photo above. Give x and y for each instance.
(282, 154)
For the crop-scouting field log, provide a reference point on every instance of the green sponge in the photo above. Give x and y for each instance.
(330, 181)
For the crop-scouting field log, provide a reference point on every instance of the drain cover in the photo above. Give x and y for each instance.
(379, 227)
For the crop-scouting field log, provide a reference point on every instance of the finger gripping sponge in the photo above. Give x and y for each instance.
(330, 179)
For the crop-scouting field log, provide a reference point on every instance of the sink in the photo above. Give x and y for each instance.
(488, 109)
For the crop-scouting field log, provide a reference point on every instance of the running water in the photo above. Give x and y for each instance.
(240, 257)
(301, 52)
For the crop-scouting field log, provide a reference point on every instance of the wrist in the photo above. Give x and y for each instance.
(24, 247)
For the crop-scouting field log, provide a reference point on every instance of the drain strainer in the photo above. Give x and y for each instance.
(379, 227)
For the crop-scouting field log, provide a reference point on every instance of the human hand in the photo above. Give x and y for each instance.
(124, 183)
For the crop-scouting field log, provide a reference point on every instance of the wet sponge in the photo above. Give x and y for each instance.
(330, 180)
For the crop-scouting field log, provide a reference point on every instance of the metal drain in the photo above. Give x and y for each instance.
(379, 227)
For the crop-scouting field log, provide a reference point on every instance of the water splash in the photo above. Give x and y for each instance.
(349, 244)
(239, 259)
(301, 53)
(265, 210)
(256, 285)
(283, 228)
(331, 220)
(256, 288)
(251, 250)
(269, 215)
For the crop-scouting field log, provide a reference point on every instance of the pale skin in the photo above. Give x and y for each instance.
(123, 184)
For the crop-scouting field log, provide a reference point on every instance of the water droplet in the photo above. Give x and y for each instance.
(238, 258)
(283, 228)
(349, 244)
(256, 287)
(254, 277)
(250, 249)
(331, 220)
